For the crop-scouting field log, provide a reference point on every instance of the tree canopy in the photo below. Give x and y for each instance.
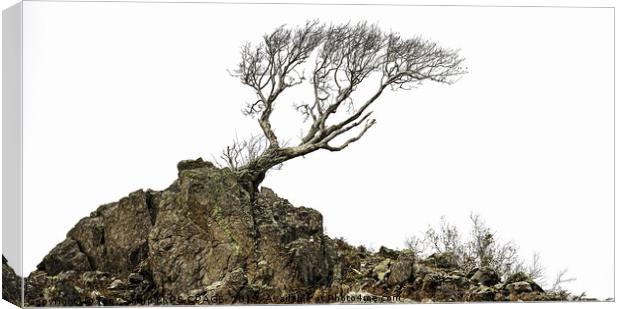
(337, 61)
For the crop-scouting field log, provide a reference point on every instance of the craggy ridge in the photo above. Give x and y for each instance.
(206, 240)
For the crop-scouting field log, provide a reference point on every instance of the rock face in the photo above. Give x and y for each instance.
(11, 284)
(205, 240)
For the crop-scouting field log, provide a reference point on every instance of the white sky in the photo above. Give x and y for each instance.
(115, 94)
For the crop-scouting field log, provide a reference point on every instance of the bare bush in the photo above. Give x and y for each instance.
(560, 279)
(481, 248)
(242, 151)
(534, 268)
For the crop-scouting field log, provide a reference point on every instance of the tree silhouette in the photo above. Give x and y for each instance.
(341, 59)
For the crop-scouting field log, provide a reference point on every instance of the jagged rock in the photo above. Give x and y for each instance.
(93, 277)
(523, 277)
(388, 253)
(481, 293)
(205, 219)
(519, 287)
(443, 260)
(536, 287)
(11, 284)
(135, 278)
(401, 270)
(229, 288)
(65, 256)
(291, 243)
(114, 238)
(207, 240)
(518, 276)
(193, 164)
(116, 284)
(382, 269)
(486, 276)
(431, 281)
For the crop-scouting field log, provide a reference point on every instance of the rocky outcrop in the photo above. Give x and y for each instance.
(11, 284)
(206, 240)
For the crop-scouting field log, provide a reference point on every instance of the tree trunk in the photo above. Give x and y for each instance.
(253, 173)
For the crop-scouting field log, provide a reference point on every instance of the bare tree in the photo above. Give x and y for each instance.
(340, 59)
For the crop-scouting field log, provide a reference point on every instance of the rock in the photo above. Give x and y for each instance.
(481, 293)
(135, 278)
(229, 289)
(43, 290)
(443, 260)
(432, 281)
(193, 164)
(94, 277)
(486, 276)
(519, 287)
(382, 269)
(11, 284)
(308, 267)
(65, 256)
(459, 282)
(536, 287)
(292, 245)
(206, 240)
(401, 270)
(518, 276)
(115, 236)
(204, 220)
(116, 284)
(388, 253)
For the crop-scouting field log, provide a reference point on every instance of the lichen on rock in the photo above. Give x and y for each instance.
(206, 240)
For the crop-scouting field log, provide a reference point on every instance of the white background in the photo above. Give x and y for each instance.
(116, 94)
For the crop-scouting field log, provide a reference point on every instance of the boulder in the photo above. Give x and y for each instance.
(193, 164)
(401, 270)
(519, 287)
(65, 256)
(382, 269)
(443, 260)
(485, 276)
(518, 276)
(481, 293)
(388, 253)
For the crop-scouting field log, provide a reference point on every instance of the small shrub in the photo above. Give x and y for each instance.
(481, 248)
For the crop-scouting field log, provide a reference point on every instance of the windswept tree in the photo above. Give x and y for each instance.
(336, 61)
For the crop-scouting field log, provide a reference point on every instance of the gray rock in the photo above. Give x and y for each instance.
(486, 276)
(382, 269)
(11, 284)
(135, 278)
(481, 293)
(193, 164)
(518, 276)
(115, 236)
(519, 287)
(401, 270)
(443, 260)
(116, 284)
(65, 256)
(207, 237)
